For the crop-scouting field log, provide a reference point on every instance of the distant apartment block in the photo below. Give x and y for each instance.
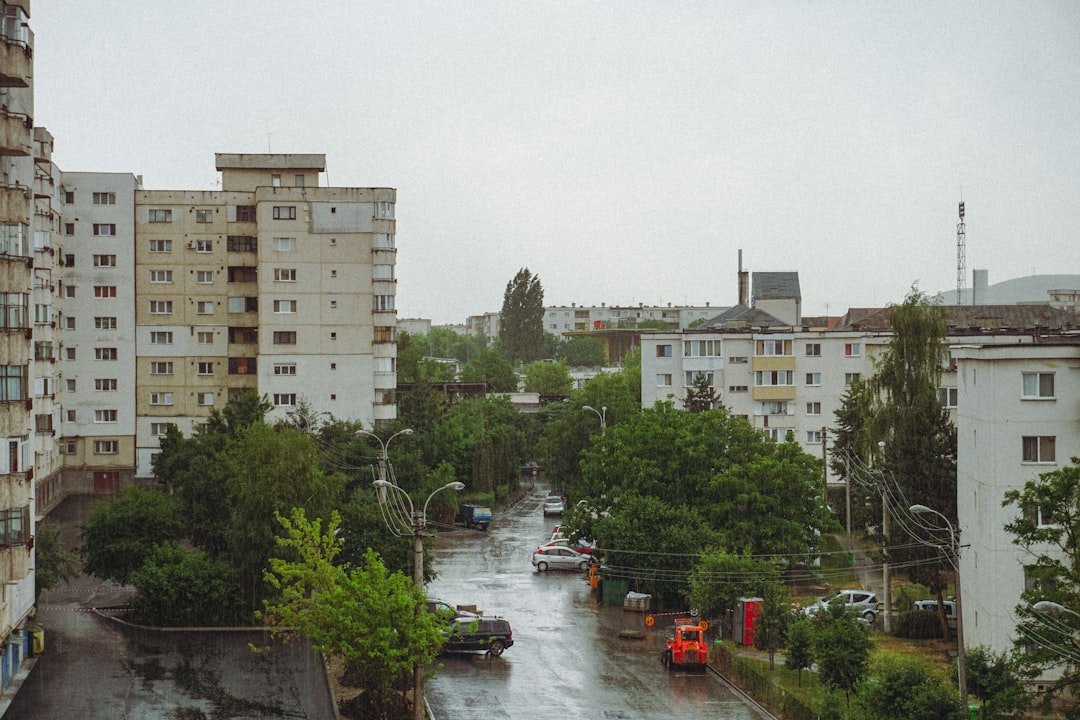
(560, 319)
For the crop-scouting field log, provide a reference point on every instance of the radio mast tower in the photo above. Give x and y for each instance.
(961, 256)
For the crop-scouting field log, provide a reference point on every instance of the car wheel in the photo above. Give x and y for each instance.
(541, 566)
(496, 648)
(869, 616)
(583, 565)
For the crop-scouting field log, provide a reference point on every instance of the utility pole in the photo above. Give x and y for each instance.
(886, 531)
(824, 464)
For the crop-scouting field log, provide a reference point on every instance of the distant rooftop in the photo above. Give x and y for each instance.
(775, 286)
(741, 317)
(268, 161)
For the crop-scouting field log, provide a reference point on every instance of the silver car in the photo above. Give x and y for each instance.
(863, 602)
(554, 505)
(559, 558)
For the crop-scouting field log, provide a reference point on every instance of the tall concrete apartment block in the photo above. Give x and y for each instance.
(18, 369)
(271, 284)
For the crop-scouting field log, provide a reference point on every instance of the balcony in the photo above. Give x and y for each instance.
(14, 203)
(15, 133)
(16, 63)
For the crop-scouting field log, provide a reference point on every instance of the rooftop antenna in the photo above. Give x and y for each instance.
(268, 150)
(961, 252)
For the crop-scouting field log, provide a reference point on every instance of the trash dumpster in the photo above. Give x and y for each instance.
(613, 592)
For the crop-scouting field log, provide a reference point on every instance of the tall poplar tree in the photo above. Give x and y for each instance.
(521, 332)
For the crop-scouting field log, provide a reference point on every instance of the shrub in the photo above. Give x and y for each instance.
(177, 587)
(917, 625)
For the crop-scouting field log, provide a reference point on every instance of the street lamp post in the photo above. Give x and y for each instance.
(383, 460)
(419, 523)
(601, 413)
(952, 553)
(1052, 607)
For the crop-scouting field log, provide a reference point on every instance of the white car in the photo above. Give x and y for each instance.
(554, 505)
(863, 602)
(559, 558)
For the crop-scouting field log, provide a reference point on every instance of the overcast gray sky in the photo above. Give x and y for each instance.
(622, 151)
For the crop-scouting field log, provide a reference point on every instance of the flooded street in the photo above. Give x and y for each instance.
(567, 660)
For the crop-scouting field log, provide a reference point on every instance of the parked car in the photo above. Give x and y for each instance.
(450, 612)
(932, 606)
(477, 516)
(559, 558)
(863, 602)
(554, 505)
(488, 633)
(582, 546)
(556, 533)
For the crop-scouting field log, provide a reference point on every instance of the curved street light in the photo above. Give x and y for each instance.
(383, 446)
(952, 553)
(1049, 606)
(601, 413)
(419, 522)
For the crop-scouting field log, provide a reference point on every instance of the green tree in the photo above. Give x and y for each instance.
(800, 646)
(1048, 527)
(490, 367)
(52, 563)
(582, 352)
(771, 626)
(522, 318)
(903, 687)
(375, 620)
(994, 679)
(720, 578)
(550, 379)
(701, 396)
(122, 533)
(851, 449)
(177, 587)
(841, 648)
(482, 439)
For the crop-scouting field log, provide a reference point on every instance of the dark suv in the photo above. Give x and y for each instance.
(491, 634)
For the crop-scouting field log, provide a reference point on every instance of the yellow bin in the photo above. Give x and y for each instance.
(39, 640)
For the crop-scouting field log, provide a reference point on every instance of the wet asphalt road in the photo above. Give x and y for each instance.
(567, 660)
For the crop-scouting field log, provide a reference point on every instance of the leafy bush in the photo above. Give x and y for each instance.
(917, 625)
(178, 587)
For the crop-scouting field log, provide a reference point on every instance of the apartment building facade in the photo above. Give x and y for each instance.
(20, 372)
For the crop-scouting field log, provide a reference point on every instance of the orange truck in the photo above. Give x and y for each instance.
(687, 649)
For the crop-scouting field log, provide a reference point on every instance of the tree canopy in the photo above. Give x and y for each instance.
(491, 367)
(550, 379)
(521, 321)
(582, 352)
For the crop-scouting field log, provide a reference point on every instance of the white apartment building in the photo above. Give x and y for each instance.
(1018, 417)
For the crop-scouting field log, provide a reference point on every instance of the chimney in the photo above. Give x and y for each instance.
(979, 282)
(744, 283)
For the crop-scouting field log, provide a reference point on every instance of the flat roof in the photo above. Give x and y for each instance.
(269, 161)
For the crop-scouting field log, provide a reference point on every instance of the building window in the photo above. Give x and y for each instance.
(242, 366)
(284, 368)
(692, 375)
(241, 273)
(70, 353)
(813, 408)
(12, 382)
(205, 398)
(104, 261)
(69, 292)
(105, 322)
(160, 216)
(852, 350)
(161, 398)
(71, 418)
(947, 397)
(104, 198)
(69, 197)
(204, 277)
(384, 210)
(738, 360)
(774, 377)
(161, 307)
(384, 333)
(71, 385)
(738, 388)
(285, 306)
(813, 437)
(813, 349)
(105, 353)
(161, 367)
(663, 351)
(161, 276)
(69, 323)
(385, 241)
(204, 216)
(204, 307)
(243, 335)
(243, 304)
(69, 260)
(701, 348)
(384, 303)
(275, 180)
(773, 347)
(105, 416)
(245, 213)
(43, 351)
(205, 337)
(242, 243)
(381, 271)
(813, 379)
(160, 246)
(298, 180)
(69, 228)
(205, 368)
(161, 337)
(160, 428)
(104, 291)
(284, 244)
(284, 212)
(104, 229)
(1038, 386)
(284, 399)
(285, 337)
(850, 378)
(105, 384)
(663, 379)
(284, 274)
(106, 447)
(384, 365)
(204, 246)
(1039, 448)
